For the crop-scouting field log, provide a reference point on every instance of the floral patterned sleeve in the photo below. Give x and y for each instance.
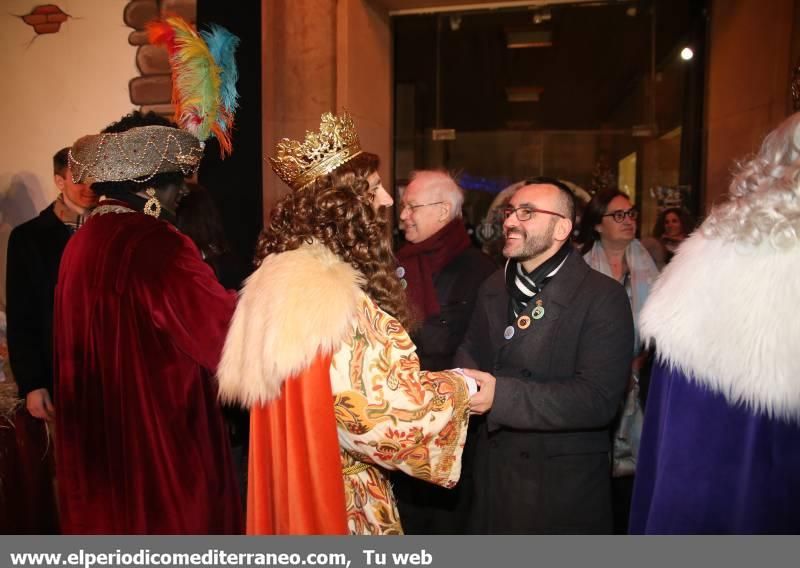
(390, 413)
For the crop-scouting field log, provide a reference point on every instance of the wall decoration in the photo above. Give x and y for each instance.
(45, 19)
(152, 89)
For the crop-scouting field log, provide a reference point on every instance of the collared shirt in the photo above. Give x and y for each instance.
(70, 218)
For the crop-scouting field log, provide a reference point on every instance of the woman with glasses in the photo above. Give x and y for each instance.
(609, 245)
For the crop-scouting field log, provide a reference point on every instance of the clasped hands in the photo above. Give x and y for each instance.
(481, 401)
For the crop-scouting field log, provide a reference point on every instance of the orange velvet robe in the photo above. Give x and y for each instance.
(285, 494)
(318, 453)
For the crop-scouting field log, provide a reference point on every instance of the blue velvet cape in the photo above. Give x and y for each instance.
(709, 467)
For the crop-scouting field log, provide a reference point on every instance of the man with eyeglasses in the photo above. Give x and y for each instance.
(443, 272)
(557, 336)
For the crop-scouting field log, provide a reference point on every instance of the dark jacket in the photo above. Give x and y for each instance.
(456, 290)
(34, 254)
(542, 458)
(426, 508)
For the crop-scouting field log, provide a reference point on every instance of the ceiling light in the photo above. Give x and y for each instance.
(542, 16)
(687, 53)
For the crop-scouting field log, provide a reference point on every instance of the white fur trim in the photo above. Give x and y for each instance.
(295, 305)
(725, 314)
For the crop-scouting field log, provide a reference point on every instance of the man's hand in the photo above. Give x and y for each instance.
(481, 402)
(39, 405)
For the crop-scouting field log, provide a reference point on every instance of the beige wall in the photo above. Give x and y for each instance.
(320, 56)
(748, 82)
(56, 88)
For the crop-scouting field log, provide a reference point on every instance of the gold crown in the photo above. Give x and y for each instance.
(298, 164)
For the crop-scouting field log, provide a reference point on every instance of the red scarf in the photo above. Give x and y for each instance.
(423, 261)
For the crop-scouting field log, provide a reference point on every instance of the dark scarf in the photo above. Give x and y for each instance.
(522, 285)
(423, 261)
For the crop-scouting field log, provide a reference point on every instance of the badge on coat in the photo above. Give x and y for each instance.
(509, 332)
(538, 311)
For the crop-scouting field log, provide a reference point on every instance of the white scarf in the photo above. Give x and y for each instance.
(643, 273)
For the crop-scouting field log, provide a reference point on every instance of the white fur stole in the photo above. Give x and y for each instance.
(726, 315)
(294, 306)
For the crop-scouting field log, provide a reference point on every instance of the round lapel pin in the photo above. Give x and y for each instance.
(523, 322)
(509, 332)
(538, 311)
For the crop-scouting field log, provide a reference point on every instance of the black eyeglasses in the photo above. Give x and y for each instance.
(525, 212)
(404, 206)
(619, 215)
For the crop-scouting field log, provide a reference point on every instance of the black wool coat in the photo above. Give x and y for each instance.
(426, 508)
(34, 255)
(456, 290)
(542, 453)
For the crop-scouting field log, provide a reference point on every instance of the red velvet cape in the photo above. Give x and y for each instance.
(139, 325)
(27, 500)
(295, 484)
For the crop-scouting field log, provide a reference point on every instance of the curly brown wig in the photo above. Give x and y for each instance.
(336, 211)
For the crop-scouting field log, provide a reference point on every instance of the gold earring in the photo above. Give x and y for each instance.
(153, 205)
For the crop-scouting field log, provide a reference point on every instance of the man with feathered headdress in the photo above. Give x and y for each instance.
(720, 450)
(140, 322)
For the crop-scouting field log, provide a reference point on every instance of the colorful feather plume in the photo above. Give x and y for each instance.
(222, 45)
(204, 77)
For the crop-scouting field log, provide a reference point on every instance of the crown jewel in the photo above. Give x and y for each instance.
(300, 163)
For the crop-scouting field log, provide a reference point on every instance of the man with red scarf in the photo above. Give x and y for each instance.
(442, 271)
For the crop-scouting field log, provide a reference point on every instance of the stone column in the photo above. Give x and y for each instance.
(364, 77)
(298, 75)
(320, 56)
(749, 72)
